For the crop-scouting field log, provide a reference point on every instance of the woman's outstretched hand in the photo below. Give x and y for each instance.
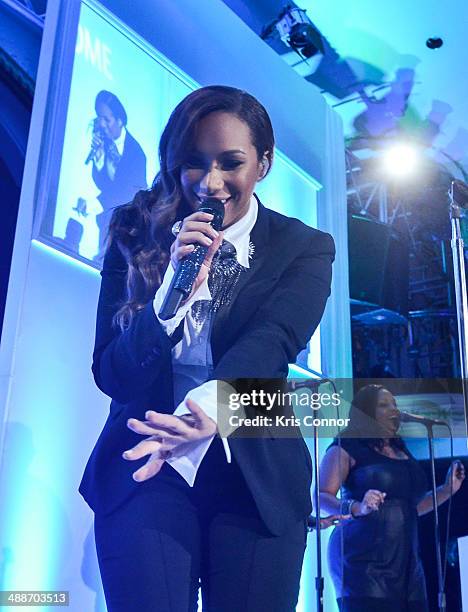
(168, 436)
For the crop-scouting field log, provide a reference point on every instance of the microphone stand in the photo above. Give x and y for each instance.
(442, 603)
(319, 582)
(459, 199)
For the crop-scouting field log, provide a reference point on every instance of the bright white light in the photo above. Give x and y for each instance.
(400, 160)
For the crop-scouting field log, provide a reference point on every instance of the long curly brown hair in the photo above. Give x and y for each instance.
(142, 228)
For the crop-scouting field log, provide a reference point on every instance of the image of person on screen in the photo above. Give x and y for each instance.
(176, 503)
(119, 163)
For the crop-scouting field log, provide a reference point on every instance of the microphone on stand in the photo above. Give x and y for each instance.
(309, 383)
(407, 417)
(189, 266)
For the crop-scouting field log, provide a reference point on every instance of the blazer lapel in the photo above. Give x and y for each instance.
(259, 237)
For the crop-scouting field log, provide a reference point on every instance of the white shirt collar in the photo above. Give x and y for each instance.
(238, 233)
(120, 141)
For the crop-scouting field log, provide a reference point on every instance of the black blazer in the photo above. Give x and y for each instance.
(277, 305)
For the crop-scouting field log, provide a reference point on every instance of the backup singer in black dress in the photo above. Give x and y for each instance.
(373, 554)
(172, 507)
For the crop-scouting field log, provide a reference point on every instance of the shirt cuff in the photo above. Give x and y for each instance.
(187, 464)
(202, 293)
(212, 396)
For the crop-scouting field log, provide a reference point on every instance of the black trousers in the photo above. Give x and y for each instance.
(169, 538)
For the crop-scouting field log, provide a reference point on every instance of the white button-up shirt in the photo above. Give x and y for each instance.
(192, 362)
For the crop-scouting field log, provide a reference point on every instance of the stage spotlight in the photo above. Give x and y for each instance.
(400, 160)
(305, 39)
(297, 31)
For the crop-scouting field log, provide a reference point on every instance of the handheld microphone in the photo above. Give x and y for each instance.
(407, 417)
(93, 150)
(189, 266)
(91, 155)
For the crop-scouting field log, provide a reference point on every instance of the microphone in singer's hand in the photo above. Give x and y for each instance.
(96, 131)
(91, 155)
(189, 266)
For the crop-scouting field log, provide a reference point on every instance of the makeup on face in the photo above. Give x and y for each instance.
(386, 412)
(223, 163)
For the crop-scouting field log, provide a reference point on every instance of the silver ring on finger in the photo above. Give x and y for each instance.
(176, 228)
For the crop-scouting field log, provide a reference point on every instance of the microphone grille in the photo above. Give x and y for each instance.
(212, 204)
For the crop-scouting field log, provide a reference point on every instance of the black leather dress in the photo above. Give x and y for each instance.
(374, 560)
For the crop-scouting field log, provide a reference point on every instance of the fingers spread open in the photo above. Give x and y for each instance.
(172, 423)
(143, 448)
(147, 429)
(151, 467)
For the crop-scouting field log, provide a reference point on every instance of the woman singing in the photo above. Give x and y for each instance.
(373, 554)
(175, 504)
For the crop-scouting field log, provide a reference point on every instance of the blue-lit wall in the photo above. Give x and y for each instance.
(53, 406)
(52, 411)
